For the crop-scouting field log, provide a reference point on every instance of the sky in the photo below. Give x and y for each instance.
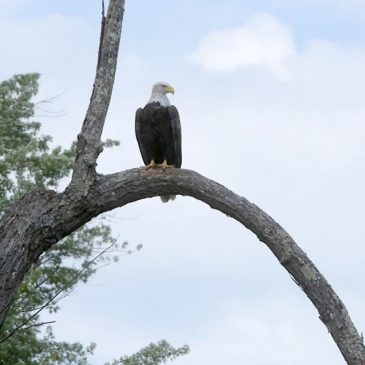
(270, 96)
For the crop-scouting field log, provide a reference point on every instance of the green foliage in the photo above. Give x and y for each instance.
(153, 354)
(26, 158)
(30, 350)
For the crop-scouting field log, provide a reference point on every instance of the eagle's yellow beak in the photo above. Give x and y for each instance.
(170, 89)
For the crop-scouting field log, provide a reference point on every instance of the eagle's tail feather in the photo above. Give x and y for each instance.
(166, 198)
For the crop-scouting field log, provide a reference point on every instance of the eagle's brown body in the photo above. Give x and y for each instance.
(158, 131)
(158, 134)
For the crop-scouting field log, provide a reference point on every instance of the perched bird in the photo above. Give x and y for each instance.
(158, 131)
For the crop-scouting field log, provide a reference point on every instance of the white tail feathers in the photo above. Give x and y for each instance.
(166, 198)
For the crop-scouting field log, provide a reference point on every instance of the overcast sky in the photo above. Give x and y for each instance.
(271, 101)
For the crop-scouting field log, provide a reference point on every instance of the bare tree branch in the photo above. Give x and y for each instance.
(22, 327)
(41, 217)
(37, 325)
(66, 286)
(89, 146)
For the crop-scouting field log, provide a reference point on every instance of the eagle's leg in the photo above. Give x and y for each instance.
(152, 164)
(164, 165)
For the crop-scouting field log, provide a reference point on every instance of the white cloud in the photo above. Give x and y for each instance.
(262, 41)
(320, 71)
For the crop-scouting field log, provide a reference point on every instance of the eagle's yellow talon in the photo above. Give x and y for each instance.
(164, 165)
(152, 164)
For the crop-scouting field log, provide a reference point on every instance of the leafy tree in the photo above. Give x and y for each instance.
(28, 160)
(153, 354)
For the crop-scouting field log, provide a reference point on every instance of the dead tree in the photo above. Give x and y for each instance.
(42, 217)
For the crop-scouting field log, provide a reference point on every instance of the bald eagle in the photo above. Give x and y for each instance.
(158, 131)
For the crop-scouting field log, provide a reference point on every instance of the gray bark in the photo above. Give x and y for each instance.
(89, 145)
(41, 218)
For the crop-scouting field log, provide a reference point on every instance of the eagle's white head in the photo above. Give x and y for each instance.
(159, 91)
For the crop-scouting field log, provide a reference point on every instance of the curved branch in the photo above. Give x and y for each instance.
(125, 187)
(42, 218)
